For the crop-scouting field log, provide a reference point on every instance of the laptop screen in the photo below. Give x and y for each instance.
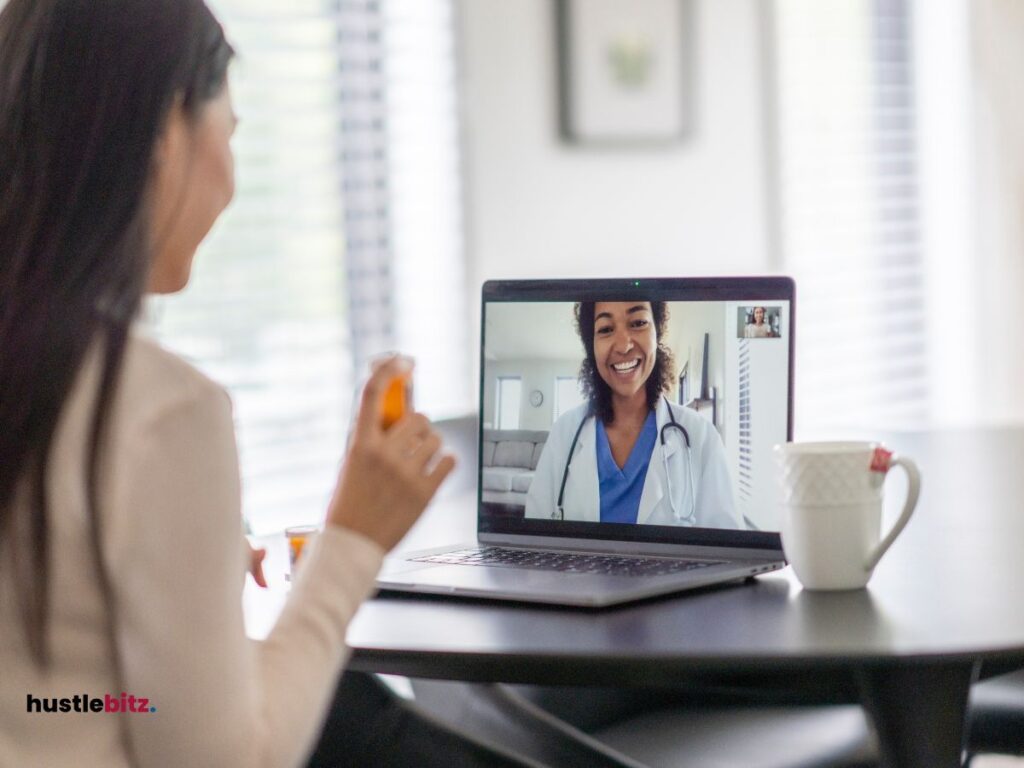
(641, 409)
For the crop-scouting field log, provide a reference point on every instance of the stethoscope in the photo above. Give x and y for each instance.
(559, 511)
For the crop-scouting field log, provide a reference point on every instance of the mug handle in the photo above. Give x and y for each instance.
(913, 491)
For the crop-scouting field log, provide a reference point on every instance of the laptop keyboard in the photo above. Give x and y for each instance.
(567, 562)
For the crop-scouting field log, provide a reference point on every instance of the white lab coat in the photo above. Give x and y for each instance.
(715, 507)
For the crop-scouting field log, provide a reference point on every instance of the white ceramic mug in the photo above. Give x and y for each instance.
(832, 510)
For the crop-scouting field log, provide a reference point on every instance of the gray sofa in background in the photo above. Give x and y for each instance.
(509, 459)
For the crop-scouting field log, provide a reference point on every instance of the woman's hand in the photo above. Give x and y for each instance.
(256, 563)
(388, 476)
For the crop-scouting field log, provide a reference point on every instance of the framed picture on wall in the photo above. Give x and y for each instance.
(624, 70)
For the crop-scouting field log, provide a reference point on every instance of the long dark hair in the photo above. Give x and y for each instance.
(86, 87)
(597, 392)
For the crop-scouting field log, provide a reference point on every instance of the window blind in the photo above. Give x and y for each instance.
(431, 307)
(849, 214)
(744, 483)
(363, 137)
(330, 253)
(405, 262)
(264, 314)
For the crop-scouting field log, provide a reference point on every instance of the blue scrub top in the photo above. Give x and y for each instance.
(621, 489)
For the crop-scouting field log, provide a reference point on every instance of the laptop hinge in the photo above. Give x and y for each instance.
(630, 547)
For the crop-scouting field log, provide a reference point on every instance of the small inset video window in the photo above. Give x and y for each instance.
(759, 322)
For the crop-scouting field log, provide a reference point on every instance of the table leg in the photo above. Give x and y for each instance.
(919, 711)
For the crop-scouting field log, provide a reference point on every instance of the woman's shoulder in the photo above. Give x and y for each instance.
(155, 391)
(155, 380)
(689, 418)
(570, 421)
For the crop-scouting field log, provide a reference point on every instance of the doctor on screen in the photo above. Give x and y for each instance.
(628, 455)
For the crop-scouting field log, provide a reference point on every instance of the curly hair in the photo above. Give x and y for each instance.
(595, 389)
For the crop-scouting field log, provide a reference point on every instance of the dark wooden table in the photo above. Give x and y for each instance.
(945, 606)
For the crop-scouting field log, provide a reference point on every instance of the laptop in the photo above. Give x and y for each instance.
(625, 441)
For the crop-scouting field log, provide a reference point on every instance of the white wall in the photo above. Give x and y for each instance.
(532, 330)
(687, 325)
(536, 342)
(998, 257)
(943, 79)
(538, 207)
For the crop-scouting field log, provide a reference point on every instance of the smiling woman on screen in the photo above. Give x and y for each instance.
(628, 455)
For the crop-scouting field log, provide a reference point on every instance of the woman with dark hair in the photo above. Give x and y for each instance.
(757, 328)
(628, 455)
(121, 550)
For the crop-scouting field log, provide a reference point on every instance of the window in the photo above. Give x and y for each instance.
(509, 400)
(567, 394)
(400, 143)
(849, 211)
(431, 308)
(331, 251)
(265, 313)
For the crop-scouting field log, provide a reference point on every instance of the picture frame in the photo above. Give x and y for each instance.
(624, 71)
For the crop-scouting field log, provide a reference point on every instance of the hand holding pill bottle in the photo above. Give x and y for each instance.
(395, 460)
(397, 399)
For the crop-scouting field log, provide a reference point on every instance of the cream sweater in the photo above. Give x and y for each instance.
(170, 499)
